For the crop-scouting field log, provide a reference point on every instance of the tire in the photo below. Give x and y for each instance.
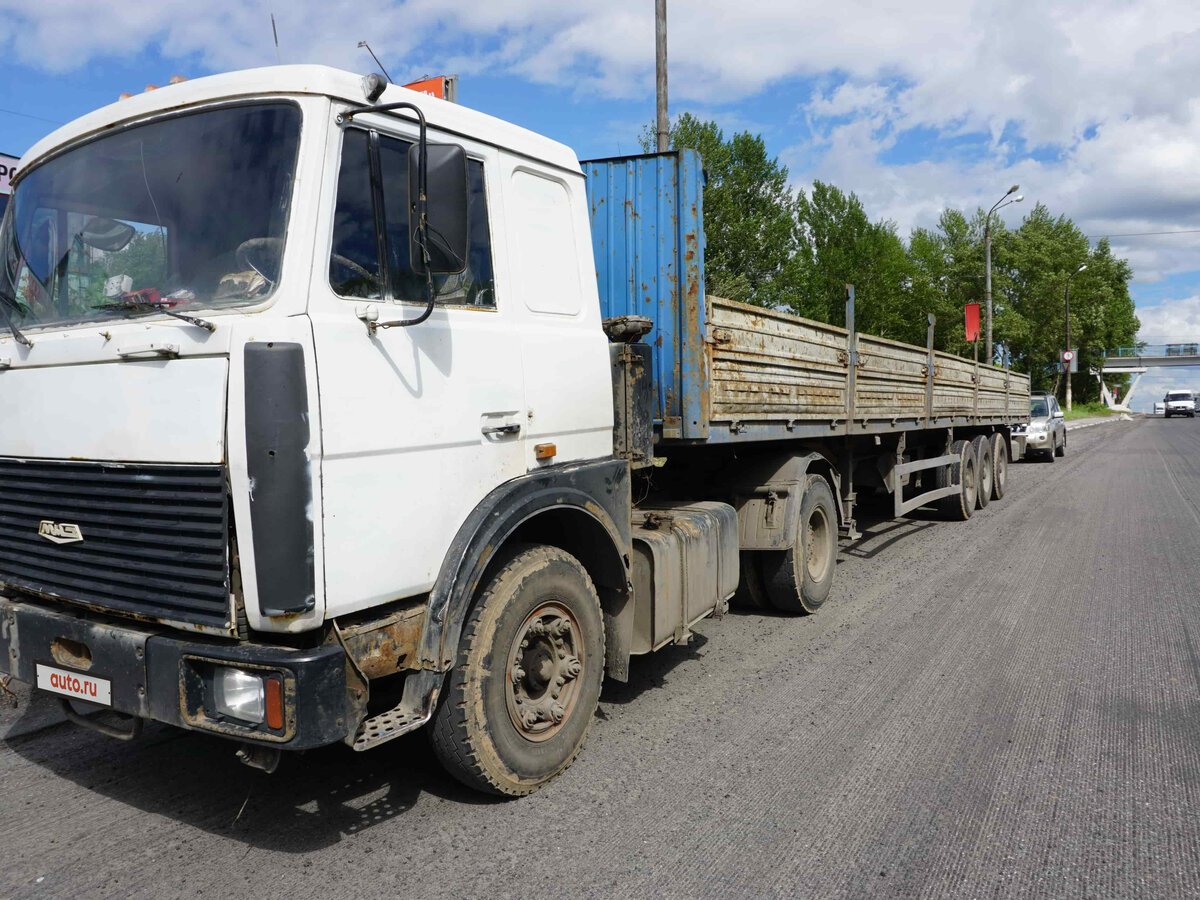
(751, 593)
(999, 466)
(537, 621)
(1061, 449)
(982, 445)
(798, 580)
(959, 506)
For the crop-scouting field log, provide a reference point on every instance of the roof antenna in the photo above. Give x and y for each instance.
(377, 62)
(275, 32)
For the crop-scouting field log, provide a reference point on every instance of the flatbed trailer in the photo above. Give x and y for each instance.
(727, 373)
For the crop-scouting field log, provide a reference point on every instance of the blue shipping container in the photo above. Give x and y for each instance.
(648, 241)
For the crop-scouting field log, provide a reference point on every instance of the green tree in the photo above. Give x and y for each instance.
(840, 245)
(750, 223)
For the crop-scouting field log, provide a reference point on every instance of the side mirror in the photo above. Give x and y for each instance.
(447, 203)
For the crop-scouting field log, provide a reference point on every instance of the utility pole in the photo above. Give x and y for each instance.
(987, 257)
(660, 72)
(1067, 306)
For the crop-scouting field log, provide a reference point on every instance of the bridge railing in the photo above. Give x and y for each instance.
(1185, 349)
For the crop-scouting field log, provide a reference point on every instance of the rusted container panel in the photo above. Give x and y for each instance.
(648, 243)
(891, 379)
(770, 365)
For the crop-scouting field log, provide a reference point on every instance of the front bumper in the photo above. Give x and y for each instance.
(1038, 440)
(167, 678)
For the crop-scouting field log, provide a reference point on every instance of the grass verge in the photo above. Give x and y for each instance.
(1087, 411)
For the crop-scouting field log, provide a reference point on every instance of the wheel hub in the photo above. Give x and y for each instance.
(544, 665)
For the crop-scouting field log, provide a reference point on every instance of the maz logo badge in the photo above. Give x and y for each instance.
(59, 534)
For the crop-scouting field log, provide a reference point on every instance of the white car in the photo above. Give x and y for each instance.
(1160, 408)
(1179, 403)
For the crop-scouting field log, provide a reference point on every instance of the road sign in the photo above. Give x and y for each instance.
(1068, 355)
(971, 311)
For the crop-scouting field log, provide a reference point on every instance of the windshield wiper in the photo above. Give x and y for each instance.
(14, 306)
(152, 306)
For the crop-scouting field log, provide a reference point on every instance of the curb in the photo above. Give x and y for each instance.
(1088, 423)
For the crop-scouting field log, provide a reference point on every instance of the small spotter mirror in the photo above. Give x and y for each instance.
(106, 234)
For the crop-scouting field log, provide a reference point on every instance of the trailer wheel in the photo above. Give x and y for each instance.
(959, 506)
(798, 579)
(525, 686)
(999, 466)
(751, 593)
(982, 445)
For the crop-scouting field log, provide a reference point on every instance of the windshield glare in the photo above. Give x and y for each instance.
(185, 212)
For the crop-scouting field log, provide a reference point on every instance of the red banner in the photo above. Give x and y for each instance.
(972, 312)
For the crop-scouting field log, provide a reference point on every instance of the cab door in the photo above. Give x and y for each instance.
(418, 423)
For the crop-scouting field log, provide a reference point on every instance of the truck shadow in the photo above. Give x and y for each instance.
(312, 801)
(880, 529)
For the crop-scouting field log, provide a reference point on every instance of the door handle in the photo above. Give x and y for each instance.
(509, 428)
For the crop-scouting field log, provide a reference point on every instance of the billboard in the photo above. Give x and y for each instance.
(444, 87)
(8, 168)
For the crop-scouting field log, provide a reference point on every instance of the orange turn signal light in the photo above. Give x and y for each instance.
(545, 451)
(274, 687)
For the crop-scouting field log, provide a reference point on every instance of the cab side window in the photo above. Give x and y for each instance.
(354, 267)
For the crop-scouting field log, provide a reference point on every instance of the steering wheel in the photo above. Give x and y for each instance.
(259, 245)
(353, 267)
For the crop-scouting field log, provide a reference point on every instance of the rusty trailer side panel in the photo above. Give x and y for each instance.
(769, 365)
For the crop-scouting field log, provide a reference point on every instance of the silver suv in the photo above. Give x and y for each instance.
(1046, 433)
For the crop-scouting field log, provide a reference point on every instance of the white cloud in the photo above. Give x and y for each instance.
(1102, 90)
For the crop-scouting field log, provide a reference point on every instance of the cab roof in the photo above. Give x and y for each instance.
(324, 81)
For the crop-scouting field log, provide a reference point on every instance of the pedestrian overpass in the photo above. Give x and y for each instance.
(1137, 361)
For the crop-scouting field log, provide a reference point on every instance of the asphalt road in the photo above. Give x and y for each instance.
(1002, 707)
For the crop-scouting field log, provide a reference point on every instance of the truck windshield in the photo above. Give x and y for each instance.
(1179, 395)
(181, 213)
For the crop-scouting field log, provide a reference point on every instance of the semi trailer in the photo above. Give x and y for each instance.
(332, 411)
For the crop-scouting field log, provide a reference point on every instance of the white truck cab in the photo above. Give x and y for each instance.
(215, 417)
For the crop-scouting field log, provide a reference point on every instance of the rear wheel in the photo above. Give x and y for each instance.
(798, 579)
(999, 466)
(982, 445)
(959, 506)
(524, 690)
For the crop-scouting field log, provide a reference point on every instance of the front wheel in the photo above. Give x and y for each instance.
(527, 680)
(1061, 450)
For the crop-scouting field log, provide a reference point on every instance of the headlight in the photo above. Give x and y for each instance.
(239, 694)
(1037, 427)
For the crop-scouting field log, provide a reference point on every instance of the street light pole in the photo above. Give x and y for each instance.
(987, 255)
(1067, 316)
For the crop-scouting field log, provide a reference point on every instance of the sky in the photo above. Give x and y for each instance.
(1089, 105)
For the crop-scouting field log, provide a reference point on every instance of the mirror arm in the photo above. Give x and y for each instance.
(344, 118)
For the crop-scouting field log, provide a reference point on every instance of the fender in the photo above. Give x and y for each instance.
(599, 490)
(767, 494)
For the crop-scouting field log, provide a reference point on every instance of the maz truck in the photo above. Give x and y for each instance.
(331, 411)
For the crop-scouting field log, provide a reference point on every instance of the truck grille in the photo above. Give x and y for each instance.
(147, 540)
